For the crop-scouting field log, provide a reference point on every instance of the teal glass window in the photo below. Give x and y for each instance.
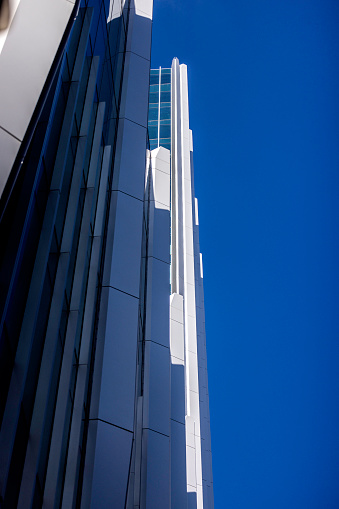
(153, 112)
(153, 132)
(154, 88)
(154, 78)
(166, 87)
(165, 112)
(165, 131)
(154, 97)
(153, 144)
(165, 97)
(165, 78)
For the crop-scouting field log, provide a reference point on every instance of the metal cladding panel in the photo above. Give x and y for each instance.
(157, 321)
(156, 450)
(157, 388)
(117, 391)
(113, 450)
(178, 466)
(129, 174)
(25, 64)
(126, 252)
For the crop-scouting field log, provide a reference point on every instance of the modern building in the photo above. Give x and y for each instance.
(104, 399)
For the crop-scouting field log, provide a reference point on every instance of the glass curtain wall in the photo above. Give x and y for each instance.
(159, 115)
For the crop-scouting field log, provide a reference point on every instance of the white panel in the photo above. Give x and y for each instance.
(201, 268)
(129, 169)
(191, 469)
(196, 211)
(193, 372)
(192, 334)
(157, 388)
(177, 301)
(190, 269)
(191, 140)
(162, 187)
(162, 153)
(177, 315)
(144, 8)
(110, 476)
(117, 389)
(195, 411)
(161, 159)
(126, 255)
(190, 300)
(177, 340)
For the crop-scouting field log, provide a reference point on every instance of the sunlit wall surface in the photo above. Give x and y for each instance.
(190, 461)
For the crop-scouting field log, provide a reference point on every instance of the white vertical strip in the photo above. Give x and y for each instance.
(159, 106)
(196, 211)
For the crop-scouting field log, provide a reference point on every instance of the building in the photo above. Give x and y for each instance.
(104, 399)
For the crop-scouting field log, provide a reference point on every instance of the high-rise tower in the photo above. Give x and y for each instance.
(104, 400)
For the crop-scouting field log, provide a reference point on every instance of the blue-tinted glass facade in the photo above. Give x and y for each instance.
(159, 114)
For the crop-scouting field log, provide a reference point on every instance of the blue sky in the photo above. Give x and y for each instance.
(264, 109)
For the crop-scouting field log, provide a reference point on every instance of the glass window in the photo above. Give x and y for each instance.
(153, 112)
(165, 88)
(165, 97)
(153, 132)
(154, 79)
(153, 144)
(154, 97)
(165, 131)
(154, 88)
(165, 112)
(165, 78)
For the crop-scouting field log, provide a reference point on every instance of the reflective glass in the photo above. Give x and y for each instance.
(153, 113)
(153, 79)
(165, 78)
(165, 88)
(154, 97)
(165, 112)
(154, 88)
(165, 97)
(165, 144)
(153, 132)
(153, 144)
(165, 131)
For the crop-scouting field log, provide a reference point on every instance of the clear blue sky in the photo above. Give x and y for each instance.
(264, 109)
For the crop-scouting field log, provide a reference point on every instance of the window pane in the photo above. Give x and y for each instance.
(165, 88)
(165, 97)
(153, 144)
(153, 113)
(165, 112)
(153, 132)
(165, 78)
(165, 131)
(154, 98)
(154, 88)
(153, 79)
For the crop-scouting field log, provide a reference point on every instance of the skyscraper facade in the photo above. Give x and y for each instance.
(104, 399)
